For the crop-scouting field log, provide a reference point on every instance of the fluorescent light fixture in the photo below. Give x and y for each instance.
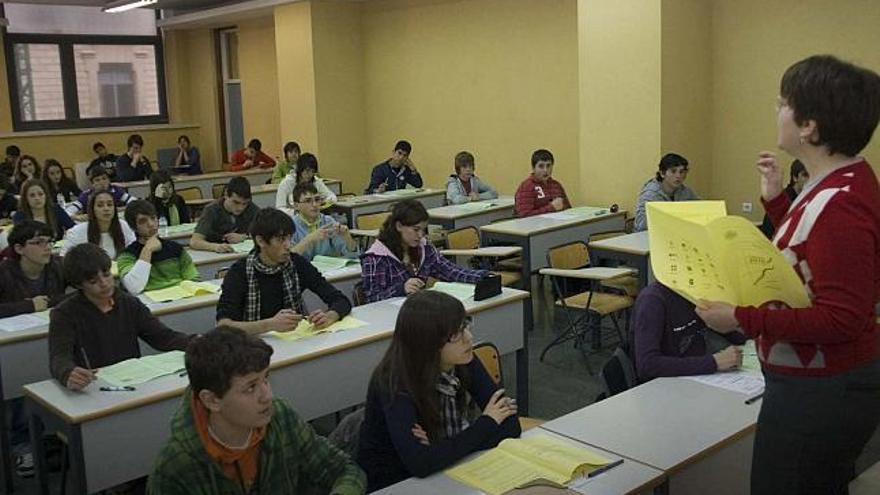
(123, 5)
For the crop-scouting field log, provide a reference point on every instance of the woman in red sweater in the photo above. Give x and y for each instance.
(822, 398)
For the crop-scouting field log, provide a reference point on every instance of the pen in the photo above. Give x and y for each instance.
(82, 350)
(127, 388)
(752, 400)
(605, 468)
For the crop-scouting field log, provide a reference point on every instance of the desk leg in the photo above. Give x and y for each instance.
(39, 452)
(40, 420)
(522, 361)
(5, 448)
(663, 488)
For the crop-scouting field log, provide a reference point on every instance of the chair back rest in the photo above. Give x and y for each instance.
(166, 157)
(618, 374)
(489, 357)
(221, 273)
(80, 176)
(372, 220)
(217, 190)
(463, 238)
(569, 256)
(347, 433)
(190, 193)
(358, 298)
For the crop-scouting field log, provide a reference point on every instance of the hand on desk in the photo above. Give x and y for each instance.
(728, 359)
(500, 407)
(223, 248)
(421, 435)
(234, 238)
(413, 285)
(283, 321)
(80, 378)
(558, 204)
(41, 303)
(321, 318)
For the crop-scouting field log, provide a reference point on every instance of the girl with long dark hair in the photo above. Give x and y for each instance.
(103, 228)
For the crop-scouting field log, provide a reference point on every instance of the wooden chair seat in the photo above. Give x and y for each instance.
(508, 278)
(629, 285)
(602, 304)
(514, 264)
(526, 423)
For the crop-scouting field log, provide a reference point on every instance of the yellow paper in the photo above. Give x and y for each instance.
(306, 329)
(701, 253)
(518, 461)
(185, 289)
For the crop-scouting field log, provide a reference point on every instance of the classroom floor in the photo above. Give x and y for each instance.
(558, 385)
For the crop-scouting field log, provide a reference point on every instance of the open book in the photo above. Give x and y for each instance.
(700, 252)
(326, 264)
(141, 370)
(516, 461)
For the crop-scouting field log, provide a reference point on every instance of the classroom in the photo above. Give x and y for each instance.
(439, 246)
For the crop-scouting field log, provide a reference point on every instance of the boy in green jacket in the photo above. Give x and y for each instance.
(230, 436)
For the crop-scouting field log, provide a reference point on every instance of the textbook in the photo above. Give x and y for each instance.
(516, 461)
(24, 321)
(701, 252)
(245, 246)
(177, 229)
(306, 329)
(326, 264)
(141, 370)
(183, 290)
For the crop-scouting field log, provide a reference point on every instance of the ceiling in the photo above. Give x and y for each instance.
(179, 5)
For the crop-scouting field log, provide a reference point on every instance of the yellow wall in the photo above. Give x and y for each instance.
(753, 42)
(260, 84)
(296, 75)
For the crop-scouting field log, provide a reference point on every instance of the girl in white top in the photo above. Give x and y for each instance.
(306, 171)
(103, 228)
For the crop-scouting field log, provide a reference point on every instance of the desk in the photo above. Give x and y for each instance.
(209, 262)
(630, 249)
(179, 233)
(141, 188)
(700, 436)
(537, 234)
(376, 203)
(459, 216)
(264, 195)
(114, 437)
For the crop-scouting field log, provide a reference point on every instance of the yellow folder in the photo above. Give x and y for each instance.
(183, 290)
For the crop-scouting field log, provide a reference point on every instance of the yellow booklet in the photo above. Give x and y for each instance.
(183, 290)
(306, 329)
(702, 253)
(517, 461)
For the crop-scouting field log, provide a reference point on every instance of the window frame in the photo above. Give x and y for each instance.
(65, 43)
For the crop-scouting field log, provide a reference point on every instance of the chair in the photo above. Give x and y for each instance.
(569, 273)
(489, 357)
(221, 273)
(358, 298)
(617, 375)
(190, 193)
(347, 433)
(628, 285)
(468, 239)
(217, 190)
(372, 221)
(165, 157)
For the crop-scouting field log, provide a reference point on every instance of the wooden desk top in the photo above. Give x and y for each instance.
(539, 224)
(635, 243)
(454, 212)
(183, 179)
(388, 197)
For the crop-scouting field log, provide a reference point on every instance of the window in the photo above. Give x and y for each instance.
(74, 66)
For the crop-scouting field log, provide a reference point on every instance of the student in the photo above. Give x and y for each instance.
(105, 160)
(263, 292)
(98, 325)
(59, 186)
(170, 206)
(7, 167)
(35, 204)
(464, 186)
(667, 185)
(151, 263)
(315, 233)
(227, 220)
(27, 168)
(395, 172)
(133, 165)
(306, 172)
(401, 260)
(540, 192)
(102, 229)
(251, 157)
(798, 177)
(8, 203)
(100, 182)
(32, 280)
(230, 435)
(422, 402)
(288, 164)
(188, 160)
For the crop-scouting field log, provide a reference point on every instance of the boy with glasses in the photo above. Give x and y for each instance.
(315, 233)
(32, 281)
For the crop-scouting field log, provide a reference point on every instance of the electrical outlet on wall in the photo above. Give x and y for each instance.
(747, 207)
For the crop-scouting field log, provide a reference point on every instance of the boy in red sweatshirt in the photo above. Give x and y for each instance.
(540, 193)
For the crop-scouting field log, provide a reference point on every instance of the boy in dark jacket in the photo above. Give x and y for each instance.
(32, 280)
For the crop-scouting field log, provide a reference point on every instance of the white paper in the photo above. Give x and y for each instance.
(24, 322)
(737, 381)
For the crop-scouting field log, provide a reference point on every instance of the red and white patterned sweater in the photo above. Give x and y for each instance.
(831, 236)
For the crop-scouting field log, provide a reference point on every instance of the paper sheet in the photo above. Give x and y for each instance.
(579, 212)
(458, 290)
(24, 322)
(750, 357)
(141, 370)
(476, 205)
(326, 264)
(245, 246)
(401, 192)
(177, 229)
(184, 290)
(305, 329)
(744, 382)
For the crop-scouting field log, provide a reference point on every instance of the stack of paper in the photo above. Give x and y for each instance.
(402, 192)
(141, 370)
(25, 321)
(744, 382)
(579, 212)
(476, 205)
(245, 246)
(458, 290)
(185, 289)
(326, 264)
(178, 229)
(518, 461)
(306, 329)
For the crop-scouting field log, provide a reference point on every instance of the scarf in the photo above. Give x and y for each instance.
(453, 419)
(292, 294)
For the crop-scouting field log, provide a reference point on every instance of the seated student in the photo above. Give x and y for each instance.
(61, 188)
(424, 396)
(7, 166)
(540, 192)
(395, 172)
(671, 340)
(151, 263)
(100, 182)
(8, 203)
(188, 160)
(27, 168)
(288, 163)
(263, 292)
(400, 261)
(227, 220)
(35, 204)
(102, 229)
(133, 165)
(668, 185)
(98, 325)
(230, 435)
(105, 160)
(32, 280)
(798, 177)
(306, 172)
(251, 157)
(170, 206)
(464, 186)
(315, 233)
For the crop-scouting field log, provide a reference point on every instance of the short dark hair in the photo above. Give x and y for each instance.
(184, 137)
(97, 145)
(306, 161)
(842, 98)
(135, 139)
(291, 146)
(542, 155)
(239, 186)
(463, 159)
(84, 262)
(670, 160)
(215, 358)
(159, 177)
(27, 230)
(403, 146)
(138, 207)
(255, 144)
(13, 150)
(96, 172)
(302, 188)
(797, 168)
(270, 223)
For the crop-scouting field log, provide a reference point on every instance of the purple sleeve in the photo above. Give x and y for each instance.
(378, 283)
(442, 269)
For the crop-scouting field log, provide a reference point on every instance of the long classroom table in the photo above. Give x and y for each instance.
(474, 214)
(630, 249)
(376, 203)
(205, 182)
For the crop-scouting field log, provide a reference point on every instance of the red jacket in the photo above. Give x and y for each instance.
(262, 160)
(831, 236)
(533, 197)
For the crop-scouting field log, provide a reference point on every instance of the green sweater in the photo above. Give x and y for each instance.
(282, 168)
(169, 266)
(293, 458)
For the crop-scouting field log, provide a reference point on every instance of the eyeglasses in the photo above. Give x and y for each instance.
(466, 325)
(314, 200)
(39, 241)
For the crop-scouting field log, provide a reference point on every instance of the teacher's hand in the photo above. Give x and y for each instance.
(718, 316)
(771, 175)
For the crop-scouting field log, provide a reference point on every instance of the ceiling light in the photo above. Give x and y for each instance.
(123, 5)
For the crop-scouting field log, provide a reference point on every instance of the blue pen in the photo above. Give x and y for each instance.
(605, 468)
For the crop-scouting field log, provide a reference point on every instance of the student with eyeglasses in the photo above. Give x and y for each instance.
(32, 280)
(401, 260)
(315, 233)
(429, 402)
